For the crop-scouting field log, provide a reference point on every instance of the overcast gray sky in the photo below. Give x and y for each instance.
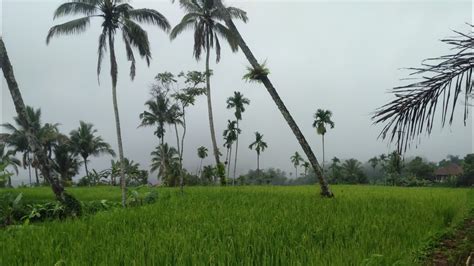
(337, 55)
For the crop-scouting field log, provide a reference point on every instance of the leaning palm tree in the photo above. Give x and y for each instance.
(321, 119)
(202, 153)
(85, 142)
(262, 76)
(259, 145)
(204, 17)
(115, 15)
(296, 159)
(7, 159)
(72, 205)
(237, 102)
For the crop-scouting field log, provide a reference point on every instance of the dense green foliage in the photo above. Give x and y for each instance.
(243, 225)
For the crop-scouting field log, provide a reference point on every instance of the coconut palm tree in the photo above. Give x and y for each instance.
(72, 205)
(230, 136)
(321, 119)
(115, 15)
(66, 162)
(85, 142)
(160, 112)
(7, 159)
(204, 17)
(202, 153)
(164, 158)
(262, 76)
(237, 102)
(296, 159)
(259, 146)
(353, 172)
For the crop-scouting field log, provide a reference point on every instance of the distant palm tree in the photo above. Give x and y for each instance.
(204, 16)
(353, 172)
(160, 112)
(306, 166)
(321, 119)
(230, 135)
(85, 142)
(115, 15)
(66, 162)
(259, 145)
(374, 161)
(164, 158)
(237, 102)
(7, 159)
(202, 153)
(263, 78)
(296, 159)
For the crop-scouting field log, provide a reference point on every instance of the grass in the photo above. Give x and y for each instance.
(244, 226)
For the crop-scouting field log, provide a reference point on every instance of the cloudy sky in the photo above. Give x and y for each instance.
(337, 55)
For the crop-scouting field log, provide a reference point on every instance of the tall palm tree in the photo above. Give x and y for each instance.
(7, 159)
(237, 102)
(160, 112)
(31, 134)
(202, 153)
(230, 135)
(204, 17)
(296, 159)
(227, 16)
(115, 15)
(259, 145)
(85, 142)
(163, 159)
(321, 119)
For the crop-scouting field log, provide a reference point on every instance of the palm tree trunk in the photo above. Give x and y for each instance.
(85, 166)
(325, 191)
(200, 169)
(181, 177)
(228, 162)
(29, 171)
(209, 105)
(33, 141)
(37, 178)
(258, 164)
(296, 171)
(113, 74)
(322, 168)
(236, 152)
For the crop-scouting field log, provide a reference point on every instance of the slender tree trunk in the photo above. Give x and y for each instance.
(200, 169)
(236, 152)
(228, 162)
(325, 191)
(296, 171)
(85, 166)
(29, 169)
(33, 141)
(113, 73)
(322, 168)
(258, 164)
(9, 181)
(37, 178)
(209, 105)
(181, 179)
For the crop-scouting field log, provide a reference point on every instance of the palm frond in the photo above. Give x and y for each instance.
(101, 50)
(186, 23)
(227, 35)
(145, 15)
(138, 38)
(442, 82)
(86, 8)
(72, 27)
(130, 55)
